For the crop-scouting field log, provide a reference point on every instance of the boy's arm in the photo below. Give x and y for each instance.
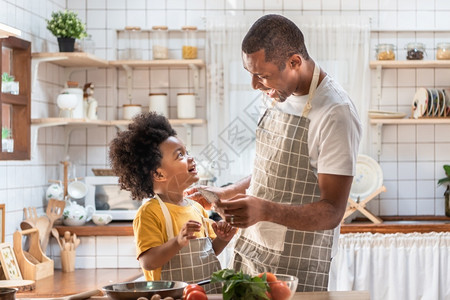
(156, 257)
(224, 233)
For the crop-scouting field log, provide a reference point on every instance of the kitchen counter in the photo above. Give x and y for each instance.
(391, 224)
(81, 280)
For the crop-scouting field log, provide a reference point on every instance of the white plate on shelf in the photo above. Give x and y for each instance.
(420, 103)
(368, 177)
(430, 104)
(441, 102)
(381, 114)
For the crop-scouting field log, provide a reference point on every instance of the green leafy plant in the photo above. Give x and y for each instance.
(447, 173)
(240, 286)
(7, 78)
(66, 24)
(6, 132)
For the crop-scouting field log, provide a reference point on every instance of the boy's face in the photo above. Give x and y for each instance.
(177, 167)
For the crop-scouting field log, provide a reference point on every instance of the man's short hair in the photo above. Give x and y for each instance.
(278, 36)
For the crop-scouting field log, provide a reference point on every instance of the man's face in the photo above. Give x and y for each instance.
(267, 77)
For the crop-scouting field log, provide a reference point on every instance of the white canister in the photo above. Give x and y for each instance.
(158, 102)
(186, 105)
(131, 110)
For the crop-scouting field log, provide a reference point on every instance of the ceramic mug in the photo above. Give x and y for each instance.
(55, 191)
(77, 189)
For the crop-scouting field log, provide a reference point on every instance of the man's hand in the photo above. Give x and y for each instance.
(194, 194)
(224, 230)
(187, 232)
(244, 210)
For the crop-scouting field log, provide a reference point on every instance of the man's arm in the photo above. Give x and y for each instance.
(327, 213)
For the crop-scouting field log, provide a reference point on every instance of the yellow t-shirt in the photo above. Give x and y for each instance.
(149, 227)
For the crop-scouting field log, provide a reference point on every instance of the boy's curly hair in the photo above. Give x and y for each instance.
(134, 154)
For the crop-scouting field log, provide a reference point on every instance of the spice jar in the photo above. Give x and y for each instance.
(131, 110)
(385, 52)
(443, 51)
(160, 42)
(415, 51)
(190, 42)
(133, 36)
(158, 103)
(186, 105)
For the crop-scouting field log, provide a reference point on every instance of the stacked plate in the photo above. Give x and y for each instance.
(431, 103)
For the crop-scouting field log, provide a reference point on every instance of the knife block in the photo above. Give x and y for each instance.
(33, 264)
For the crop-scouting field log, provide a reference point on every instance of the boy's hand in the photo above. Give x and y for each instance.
(224, 230)
(187, 232)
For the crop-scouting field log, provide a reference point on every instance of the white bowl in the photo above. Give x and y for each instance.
(101, 219)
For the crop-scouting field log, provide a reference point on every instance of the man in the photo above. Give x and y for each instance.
(306, 148)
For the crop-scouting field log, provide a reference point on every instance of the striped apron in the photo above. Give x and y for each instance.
(283, 173)
(194, 262)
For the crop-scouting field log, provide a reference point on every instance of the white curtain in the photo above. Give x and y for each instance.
(339, 44)
(393, 266)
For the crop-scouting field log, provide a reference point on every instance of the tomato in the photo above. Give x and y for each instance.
(280, 291)
(270, 277)
(192, 287)
(196, 295)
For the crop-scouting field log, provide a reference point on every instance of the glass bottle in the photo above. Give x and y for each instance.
(88, 45)
(443, 51)
(134, 42)
(189, 42)
(385, 52)
(415, 51)
(160, 47)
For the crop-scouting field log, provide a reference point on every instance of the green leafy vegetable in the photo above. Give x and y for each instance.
(240, 286)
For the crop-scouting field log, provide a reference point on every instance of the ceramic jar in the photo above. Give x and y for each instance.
(131, 110)
(186, 105)
(158, 103)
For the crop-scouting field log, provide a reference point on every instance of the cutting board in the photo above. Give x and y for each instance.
(21, 285)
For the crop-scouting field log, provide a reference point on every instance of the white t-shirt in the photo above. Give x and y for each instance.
(334, 132)
(334, 129)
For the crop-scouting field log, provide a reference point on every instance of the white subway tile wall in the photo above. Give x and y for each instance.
(411, 156)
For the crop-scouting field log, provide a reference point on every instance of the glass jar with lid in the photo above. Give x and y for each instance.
(88, 44)
(189, 42)
(385, 52)
(415, 51)
(443, 51)
(133, 36)
(160, 38)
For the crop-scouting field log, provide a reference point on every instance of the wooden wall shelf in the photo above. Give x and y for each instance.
(158, 63)
(71, 59)
(402, 64)
(408, 121)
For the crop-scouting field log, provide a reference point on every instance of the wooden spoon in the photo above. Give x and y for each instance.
(55, 234)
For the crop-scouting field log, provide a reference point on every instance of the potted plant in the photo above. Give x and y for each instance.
(67, 27)
(447, 191)
(9, 85)
(7, 141)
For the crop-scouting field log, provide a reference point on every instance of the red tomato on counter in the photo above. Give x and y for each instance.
(193, 288)
(279, 290)
(196, 295)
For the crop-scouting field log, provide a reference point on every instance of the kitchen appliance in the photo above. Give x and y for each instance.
(105, 195)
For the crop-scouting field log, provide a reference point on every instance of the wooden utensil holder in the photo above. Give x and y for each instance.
(33, 264)
(68, 260)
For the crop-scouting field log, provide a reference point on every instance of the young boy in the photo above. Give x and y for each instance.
(173, 236)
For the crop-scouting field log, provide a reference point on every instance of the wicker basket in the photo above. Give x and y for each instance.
(103, 172)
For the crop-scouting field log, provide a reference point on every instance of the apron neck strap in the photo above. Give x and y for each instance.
(168, 219)
(312, 90)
